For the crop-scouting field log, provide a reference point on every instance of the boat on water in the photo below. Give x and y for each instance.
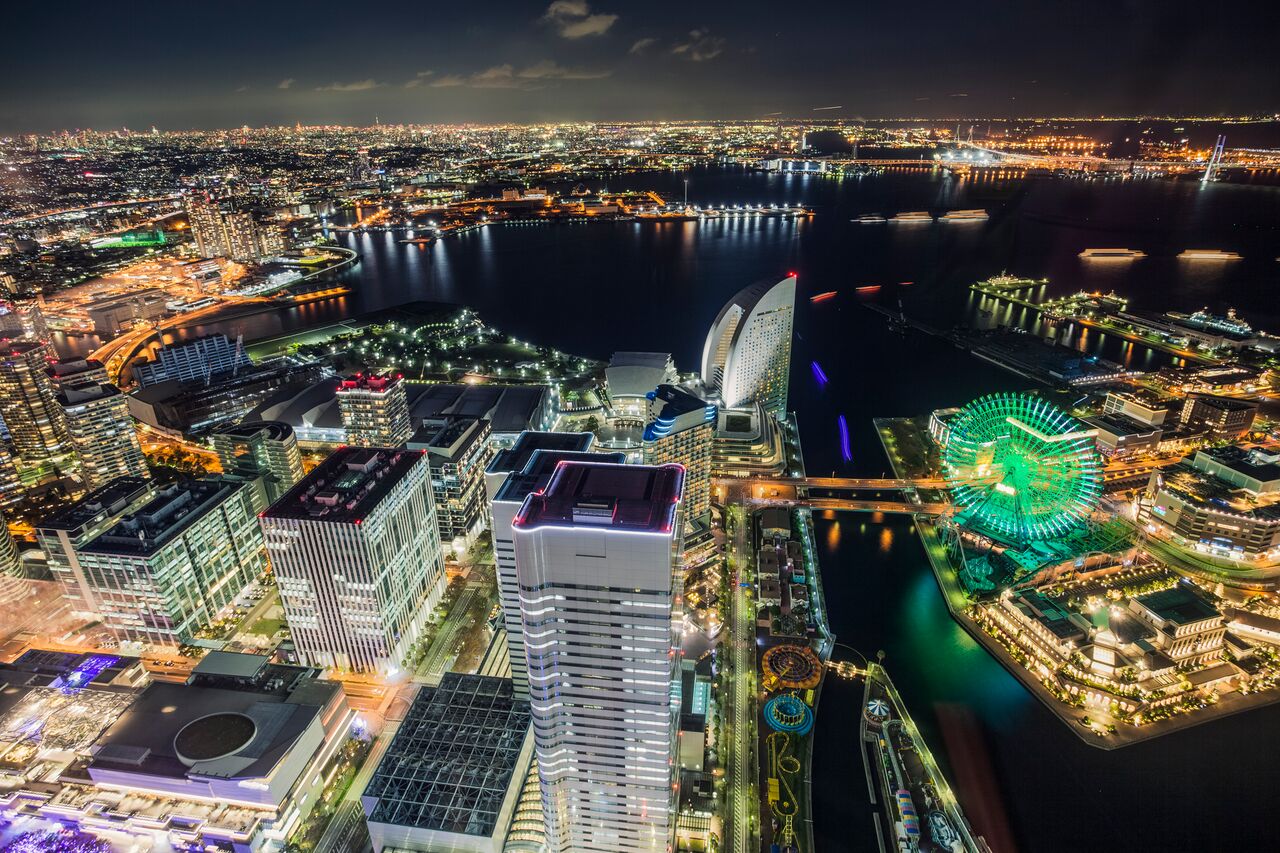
(1112, 254)
(964, 216)
(869, 219)
(823, 297)
(418, 241)
(913, 216)
(1209, 255)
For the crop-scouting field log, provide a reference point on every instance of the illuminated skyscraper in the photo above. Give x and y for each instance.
(375, 411)
(10, 485)
(747, 354)
(228, 234)
(512, 476)
(356, 554)
(76, 371)
(206, 227)
(597, 557)
(10, 563)
(102, 433)
(27, 401)
(265, 450)
(22, 320)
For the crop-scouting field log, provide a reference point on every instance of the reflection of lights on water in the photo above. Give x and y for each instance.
(886, 539)
(833, 536)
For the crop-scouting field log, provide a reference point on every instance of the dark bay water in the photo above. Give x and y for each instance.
(593, 289)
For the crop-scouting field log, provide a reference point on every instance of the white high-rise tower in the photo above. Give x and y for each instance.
(597, 560)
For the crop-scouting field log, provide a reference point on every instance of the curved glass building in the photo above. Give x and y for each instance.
(747, 355)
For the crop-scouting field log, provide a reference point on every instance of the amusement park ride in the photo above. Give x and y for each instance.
(1021, 471)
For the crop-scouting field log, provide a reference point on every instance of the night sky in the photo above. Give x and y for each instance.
(207, 64)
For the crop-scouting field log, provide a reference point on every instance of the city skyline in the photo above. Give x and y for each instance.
(572, 60)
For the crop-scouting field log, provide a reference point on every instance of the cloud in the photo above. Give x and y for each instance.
(701, 46)
(243, 89)
(507, 77)
(573, 19)
(285, 83)
(418, 79)
(548, 70)
(642, 45)
(354, 86)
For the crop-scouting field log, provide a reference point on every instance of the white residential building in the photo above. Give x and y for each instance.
(102, 433)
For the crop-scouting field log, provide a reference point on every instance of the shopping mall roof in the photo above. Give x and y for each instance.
(452, 763)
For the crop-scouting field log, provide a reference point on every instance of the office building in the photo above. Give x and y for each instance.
(202, 359)
(233, 760)
(167, 568)
(102, 433)
(63, 533)
(27, 401)
(111, 315)
(1221, 417)
(747, 354)
(356, 554)
(1119, 436)
(452, 776)
(1225, 503)
(597, 556)
(261, 450)
(630, 377)
(196, 407)
(681, 429)
(513, 475)
(314, 411)
(375, 411)
(459, 451)
(76, 371)
(1141, 406)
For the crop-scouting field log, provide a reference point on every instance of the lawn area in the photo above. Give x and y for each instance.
(267, 627)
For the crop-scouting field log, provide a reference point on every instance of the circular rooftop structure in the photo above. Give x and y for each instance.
(788, 713)
(796, 667)
(213, 736)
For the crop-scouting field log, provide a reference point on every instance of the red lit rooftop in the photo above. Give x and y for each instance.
(640, 498)
(369, 382)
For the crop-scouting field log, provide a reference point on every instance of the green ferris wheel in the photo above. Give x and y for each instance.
(1020, 468)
